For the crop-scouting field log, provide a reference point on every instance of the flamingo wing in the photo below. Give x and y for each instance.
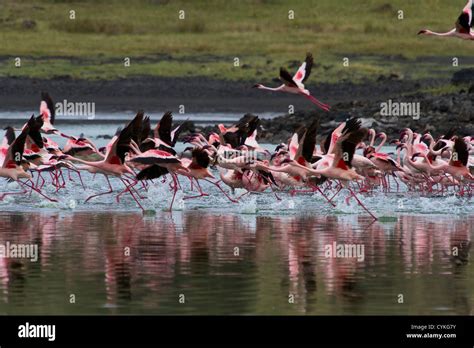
(155, 157)
(294, 144)
(34, 134)
(200, 158)
(176, 132)
(152, 172)
(460, 153)
(47, 108)
(163, 129)
(347, 143)
(243, 129)
(286, 78)
(465, 22)
(15, 151)
(309, 142)
(120, 144)
(9, 136)
(304, 70)
(145, 131)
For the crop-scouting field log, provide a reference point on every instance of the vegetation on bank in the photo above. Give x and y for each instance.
(205, 39)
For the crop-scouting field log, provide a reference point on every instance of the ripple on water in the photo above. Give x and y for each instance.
(159, 195)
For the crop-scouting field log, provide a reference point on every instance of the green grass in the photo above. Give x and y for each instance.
(215, 31)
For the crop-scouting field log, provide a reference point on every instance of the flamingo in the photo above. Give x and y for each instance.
(463, 29)
(13, 166)
(341, 167)
(166, 163)
(164, 138)
(198, 170)
(48, 113)
(238, 134)
(294, 85)
(114, 161)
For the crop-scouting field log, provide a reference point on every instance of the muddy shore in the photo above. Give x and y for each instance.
(437, 113)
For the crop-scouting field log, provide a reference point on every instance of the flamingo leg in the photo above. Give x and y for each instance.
(127, 188)
(3, 195)
(222, 190)
(201, 194)
(360, 203)
(80, 177)
(103, 193)
(175, 189)
(274, 192)
(315, 101)
(37, 191)
(42, 182)
(337, 192)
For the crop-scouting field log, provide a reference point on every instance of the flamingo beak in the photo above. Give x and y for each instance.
(421, 32)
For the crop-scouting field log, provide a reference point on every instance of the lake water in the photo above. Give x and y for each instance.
(248, 258)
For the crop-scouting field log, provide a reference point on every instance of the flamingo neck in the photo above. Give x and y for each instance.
(372, 137)
(382, 143)
(433, 33)
(269, 88)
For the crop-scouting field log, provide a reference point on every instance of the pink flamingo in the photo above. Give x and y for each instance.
(114, 161)
(48, 113)
(463, 29)
(13, 165)
(198, 170)
(166, 163)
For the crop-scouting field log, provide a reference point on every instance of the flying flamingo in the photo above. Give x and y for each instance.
(464, 24)
(48, 113)
(198, 170)
(236, 135)
(344, 148)
(167, 163)
(164, 137)
(13, 166)
(294, 85)
(457, 166)
(114, 161)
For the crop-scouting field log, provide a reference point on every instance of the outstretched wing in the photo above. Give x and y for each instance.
(465, 22)
(47, 108)
(34, 125)
(152, 172)
(460, 153)
(163, 129)
(346, 145)
(305, 69)
(286, 78)
(15, 151)
(120, 143)
(9, 135)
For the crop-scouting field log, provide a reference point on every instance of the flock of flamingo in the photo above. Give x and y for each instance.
(137, 154)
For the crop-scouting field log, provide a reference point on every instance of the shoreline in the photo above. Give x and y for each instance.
(198, 94)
